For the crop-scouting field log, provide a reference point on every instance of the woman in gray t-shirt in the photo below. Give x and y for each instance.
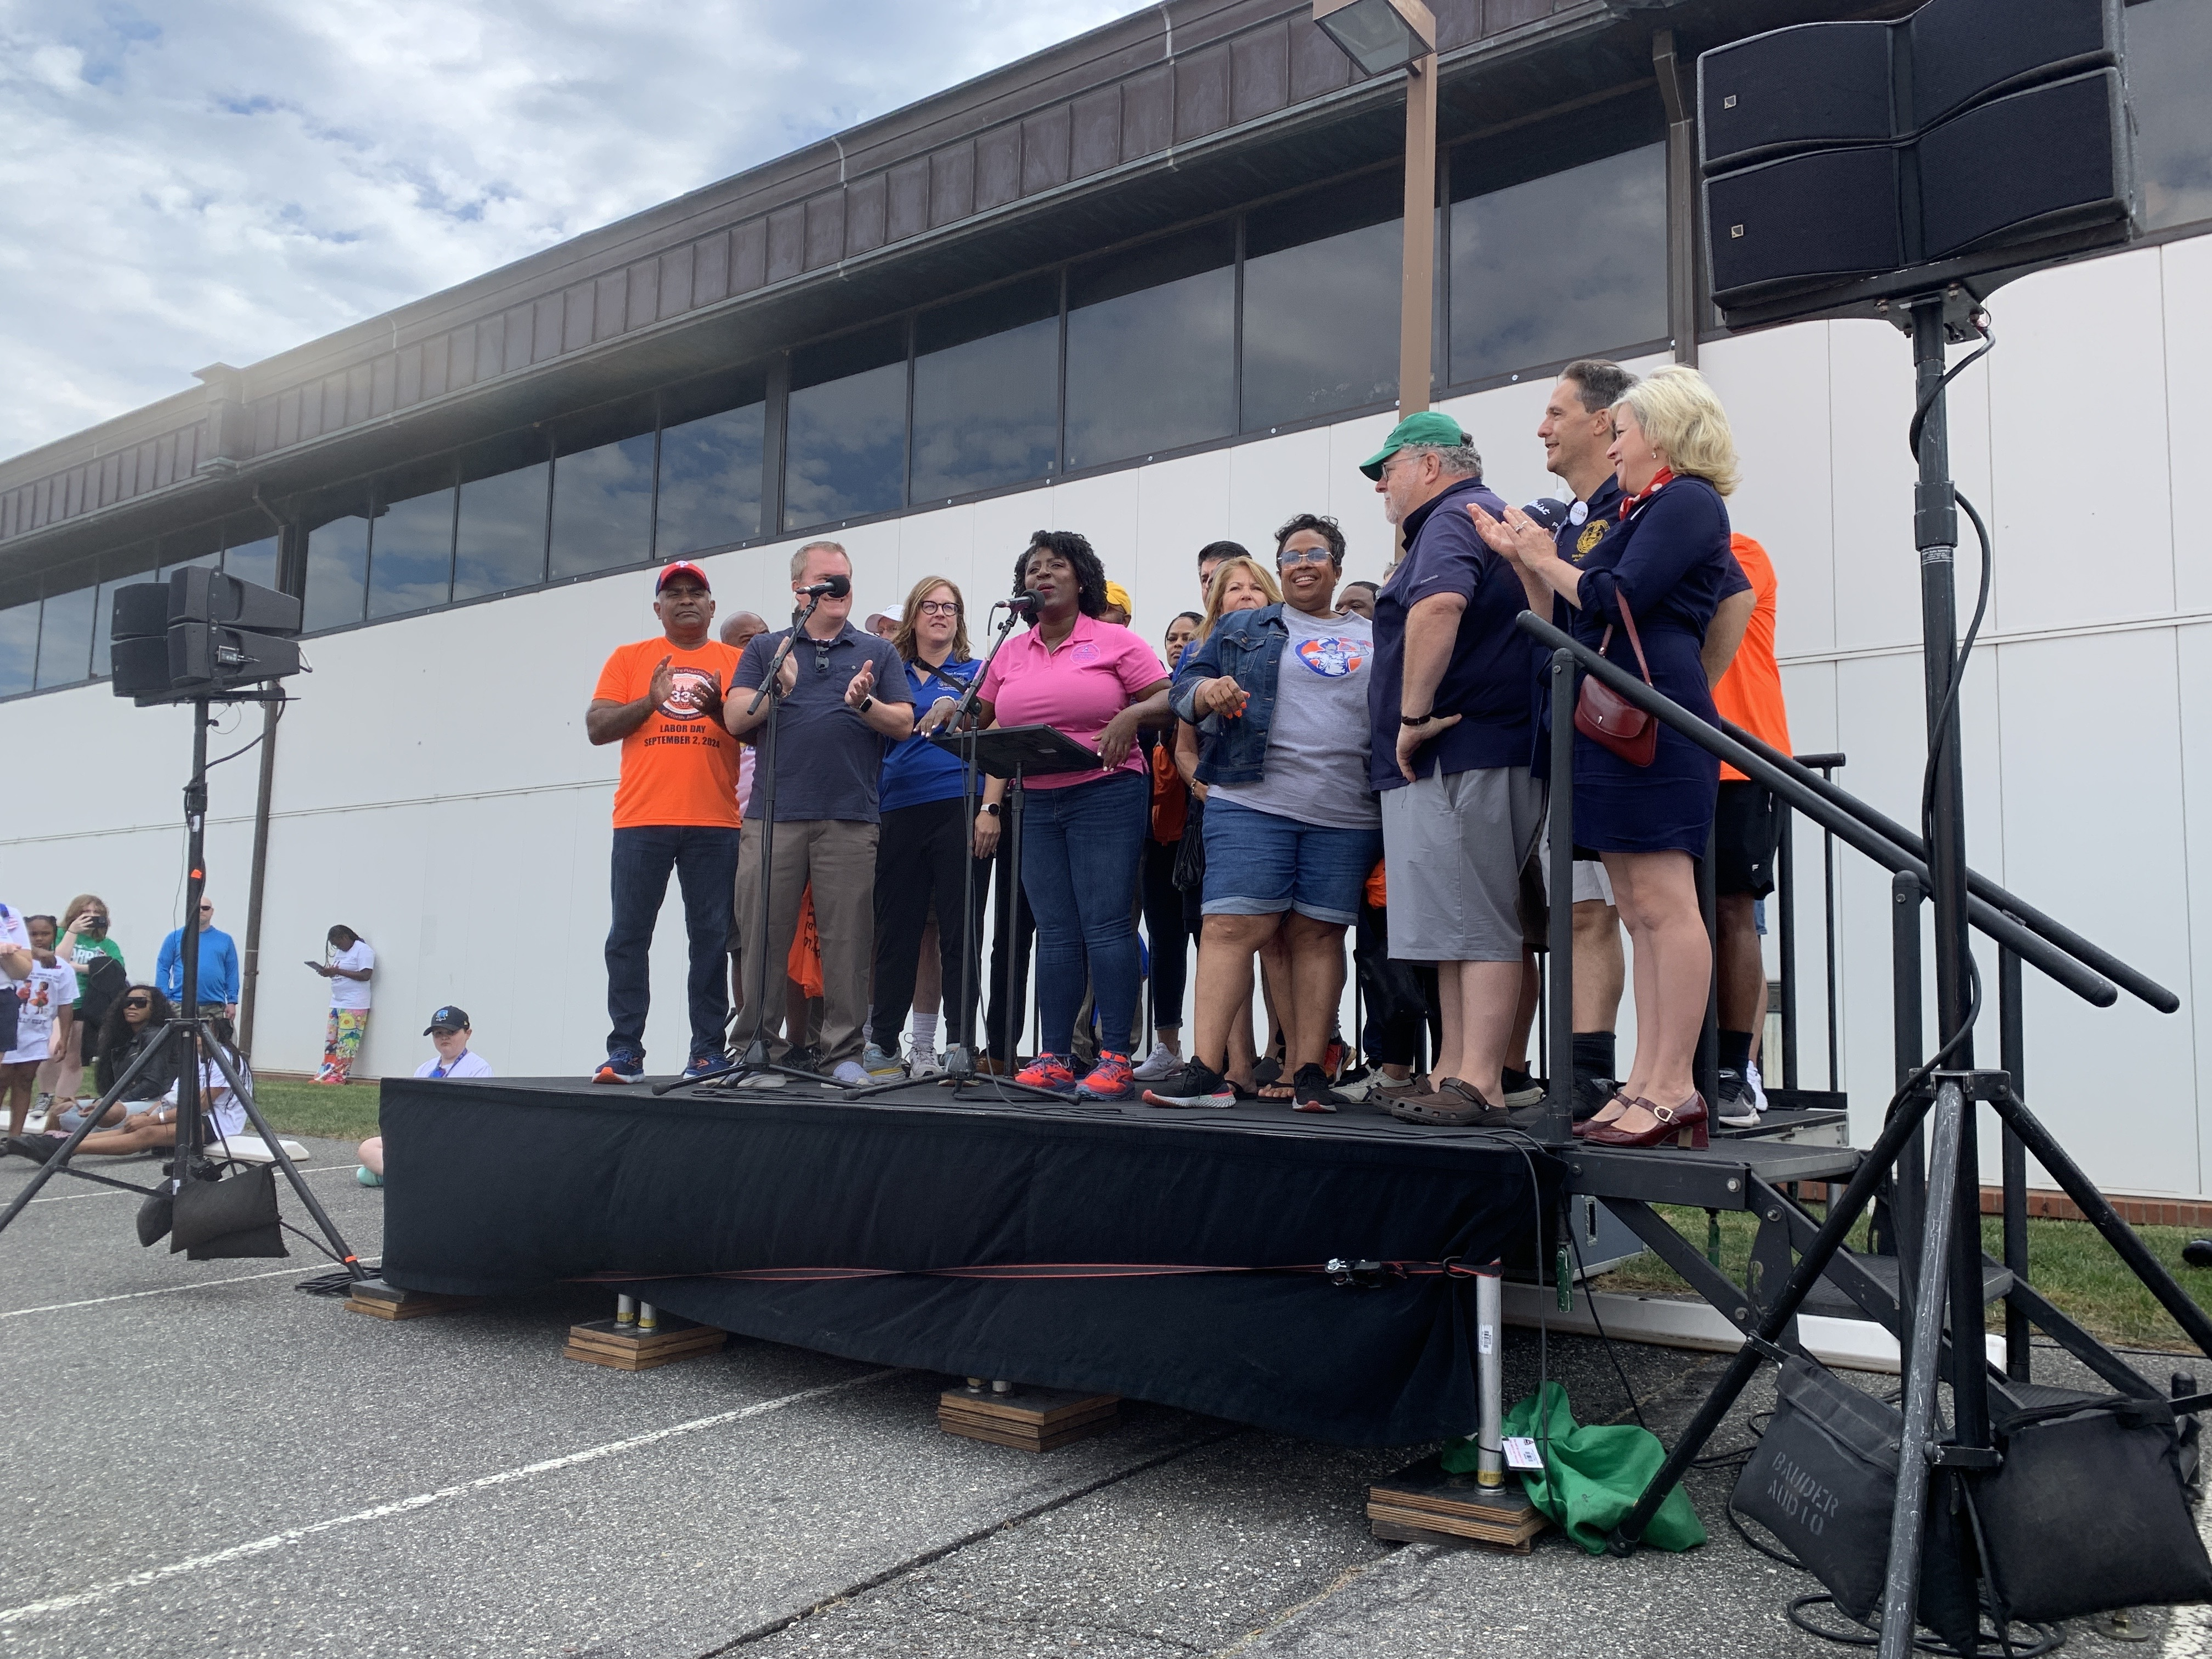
(1280, 695)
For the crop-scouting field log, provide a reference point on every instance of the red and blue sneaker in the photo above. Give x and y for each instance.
(1109, 1079)
(1047, 1071)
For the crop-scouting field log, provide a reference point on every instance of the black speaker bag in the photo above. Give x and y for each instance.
(218, 1220)
(2087, 1514)
(1824, 1481)
(11, 1013)
(154, 1215)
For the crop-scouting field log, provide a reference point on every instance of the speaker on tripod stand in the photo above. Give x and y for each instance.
(1847, 164)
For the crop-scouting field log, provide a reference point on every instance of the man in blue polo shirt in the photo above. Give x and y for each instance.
(1450, 699)
(844, 692)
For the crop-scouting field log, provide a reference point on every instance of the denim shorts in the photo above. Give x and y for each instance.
(1261, 864)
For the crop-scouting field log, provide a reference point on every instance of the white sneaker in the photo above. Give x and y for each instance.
(922, 1060)
(1162, 1062)
(1758, 1089)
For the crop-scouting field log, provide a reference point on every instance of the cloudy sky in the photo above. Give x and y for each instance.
(218, 180)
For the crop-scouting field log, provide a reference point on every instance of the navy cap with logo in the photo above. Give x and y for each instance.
(1548, 511)
(448, 1019)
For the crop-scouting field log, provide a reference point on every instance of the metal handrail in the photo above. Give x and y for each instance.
(1845, 820)
(2138, 985)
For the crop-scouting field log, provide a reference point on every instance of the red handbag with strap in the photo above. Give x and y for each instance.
(1607, 718)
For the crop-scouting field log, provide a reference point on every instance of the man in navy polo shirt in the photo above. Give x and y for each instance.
(1450, 699)
(844, 692)
(1576, 430)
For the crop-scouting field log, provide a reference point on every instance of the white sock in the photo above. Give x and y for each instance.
(925, 1030)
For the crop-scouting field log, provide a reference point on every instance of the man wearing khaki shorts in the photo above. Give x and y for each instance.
(1449, 703)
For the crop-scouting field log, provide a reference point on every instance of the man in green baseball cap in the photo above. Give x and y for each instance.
(1429, 426)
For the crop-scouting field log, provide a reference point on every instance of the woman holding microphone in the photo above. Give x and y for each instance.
(1082, 833)
(1662, 572)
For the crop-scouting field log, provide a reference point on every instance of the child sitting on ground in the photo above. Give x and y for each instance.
(448, 1031)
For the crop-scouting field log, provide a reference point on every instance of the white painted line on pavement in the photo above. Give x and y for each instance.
(278, 1540)
(166, 1290)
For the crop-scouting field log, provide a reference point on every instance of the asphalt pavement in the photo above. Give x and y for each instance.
(202, 1461)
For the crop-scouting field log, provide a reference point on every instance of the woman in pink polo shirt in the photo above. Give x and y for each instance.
(1082, 833)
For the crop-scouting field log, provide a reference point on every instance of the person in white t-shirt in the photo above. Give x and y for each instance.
(348, 965)
(448, 1031)
(44, 1022)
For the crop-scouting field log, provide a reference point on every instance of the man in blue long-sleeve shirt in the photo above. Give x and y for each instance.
(218, 983)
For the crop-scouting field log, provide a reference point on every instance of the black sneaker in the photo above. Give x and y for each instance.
(1733, 1101)
(1196, 1084)
(1521, 1089)
(1309, 1091)
(1592, 1094)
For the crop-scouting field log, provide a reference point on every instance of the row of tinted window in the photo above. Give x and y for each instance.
(1554, 246)
(62, 639)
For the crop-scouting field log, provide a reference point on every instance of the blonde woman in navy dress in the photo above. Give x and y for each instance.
(1669, 560)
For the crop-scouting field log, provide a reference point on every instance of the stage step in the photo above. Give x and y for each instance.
(379, 1300)
(1422, 1505)
(1028, 1419)
(1826, 1298)
(626, 1348)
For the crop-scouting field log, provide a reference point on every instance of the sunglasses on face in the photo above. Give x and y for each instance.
(1303, 556)
(137, 1002)
(207, 909)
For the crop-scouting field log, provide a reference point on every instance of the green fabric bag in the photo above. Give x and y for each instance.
(1593, 1475)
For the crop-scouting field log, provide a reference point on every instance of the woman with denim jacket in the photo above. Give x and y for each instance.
(1279, 696)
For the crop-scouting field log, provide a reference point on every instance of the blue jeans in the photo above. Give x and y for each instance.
(705, 860)
(1261, 864)
(1080, 847)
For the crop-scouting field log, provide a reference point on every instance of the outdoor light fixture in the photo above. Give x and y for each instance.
(1378, 35)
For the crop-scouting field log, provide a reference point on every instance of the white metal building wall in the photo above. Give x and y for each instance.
(435, 791)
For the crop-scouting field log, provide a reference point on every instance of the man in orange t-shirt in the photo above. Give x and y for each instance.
(676, 808)
(1746, 832)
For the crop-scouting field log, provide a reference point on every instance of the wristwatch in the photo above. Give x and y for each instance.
(867, 703)
(992, 807)
(1417, 719)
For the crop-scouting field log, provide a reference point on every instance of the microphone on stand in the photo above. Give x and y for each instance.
(829, 587)
(1024, 604)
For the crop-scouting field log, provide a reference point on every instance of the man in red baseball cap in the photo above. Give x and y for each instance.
(676, 808)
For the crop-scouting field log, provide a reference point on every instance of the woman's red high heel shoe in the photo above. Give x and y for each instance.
(1612, 1112)
(1685, 1125)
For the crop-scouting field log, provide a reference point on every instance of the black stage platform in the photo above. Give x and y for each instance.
(1177, 1256)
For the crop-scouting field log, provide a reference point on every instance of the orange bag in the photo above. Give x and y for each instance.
(1170, 795)
(804, 964)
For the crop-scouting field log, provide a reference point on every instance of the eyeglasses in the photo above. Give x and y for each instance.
(821, 658)
(1290, 556)
(939, 607)
(137, 1002)
(207, 909)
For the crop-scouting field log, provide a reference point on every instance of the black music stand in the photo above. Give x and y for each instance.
(1010, 752)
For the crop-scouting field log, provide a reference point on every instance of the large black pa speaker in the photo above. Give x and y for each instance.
(1851, 163)
(1846, 83)
(199, 634)
(2017, 170)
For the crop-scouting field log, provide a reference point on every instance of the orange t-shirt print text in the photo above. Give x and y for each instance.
(681, 766)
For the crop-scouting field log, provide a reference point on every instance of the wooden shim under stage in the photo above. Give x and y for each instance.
(1424, 1504)
(1035, 1420)
(625, 1348)
(379, 1300)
